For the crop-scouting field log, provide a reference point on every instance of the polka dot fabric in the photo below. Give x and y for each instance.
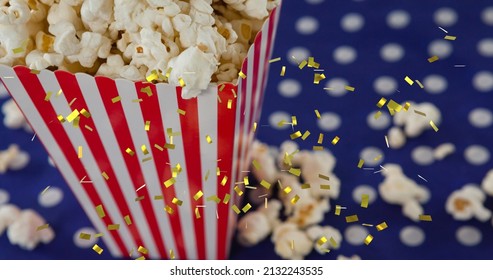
(371, 46)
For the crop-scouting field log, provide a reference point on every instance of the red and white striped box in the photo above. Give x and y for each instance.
(111, 161)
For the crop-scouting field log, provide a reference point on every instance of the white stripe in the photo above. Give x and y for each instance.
(168, 104)
(22, 98)
(105, 130)
(208, 119)
(135, 120)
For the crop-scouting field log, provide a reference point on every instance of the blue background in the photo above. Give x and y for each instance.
(455, 103)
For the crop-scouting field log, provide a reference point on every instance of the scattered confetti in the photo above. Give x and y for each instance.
(142, 250)
(116, 99)
(364, 200)
(368, 239)
(97, 249)
(100, 211)
(265, 184)
(433, 59)
(450, 38)
(45, 226)
(305, 135)
(349, 88)
(295, 199)
(84, 236)
(275, 60)
(409, 80)
(79, 152)
(198, 195)
(317, 113)
(283, 71)
(295, 135)
(242, 75)
(426, 218)
(105, 176)
(127, 219)
(335, 140)
(434, 126)
(246, 208)
(168, 183)
(382, 226)
(114, 227)
(352, 219)
(171, 254)
(381, 102)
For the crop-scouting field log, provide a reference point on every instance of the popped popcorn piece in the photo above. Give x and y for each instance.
(255, 226)
(443, 150)
(93, 45)
(256, 8)
(66, 41)
(396, 138)
(8, 214)
(261, 154)
(487, 183)
(397, 188)
(317, 232)
(14, 12)
(309, 211)
(415, 124)
(13, 159)
(353, 257)
(23, 231)
(112, 67)
(96, 15)
(467, 203)
(14, 37)
(290, 242)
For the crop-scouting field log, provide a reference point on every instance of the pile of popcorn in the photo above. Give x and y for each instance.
(299, 233)
(193, 41)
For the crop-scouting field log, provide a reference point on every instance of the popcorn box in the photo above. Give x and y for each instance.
(155, 173)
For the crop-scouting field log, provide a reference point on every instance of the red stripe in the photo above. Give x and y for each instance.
(152, 112)
(49, 116)
(225, 146)
(108, 90)
(190, 136)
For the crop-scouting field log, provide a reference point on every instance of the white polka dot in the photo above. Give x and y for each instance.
(423, 155)
(83, 243)
(298, 54)
(352, 22)
(445, 17)
(481, 117)
(344, 55)
(385, 85)
(477, 155)
(378, 124)
(277, 117)
(391, 52)
(487, 16)
(336, 87)
(468, 236)
(364, 189)
(329, 122)
(355, 234)
(483, 81)
(440, 48)
(307, 25)
(52, 197)
(4, 197)
(314, 2)
(289, 88)
(485, 47)
(435, 84)
(412, 236)
(398, 19)
(372, 156)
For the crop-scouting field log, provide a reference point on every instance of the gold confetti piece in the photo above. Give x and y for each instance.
(100, 211)
(435, 128)
(294, 121)
(97, 235)
(158, 147)
(295, 135)
(406, 106)
(305, 135)
(105, 176)
(238, 191)
(141, 258)
(85, 236)
(144, 150)
(168, 72)
(246, 208)
(48, 96)
(246, 181)
(322, 241)
(349, 88)
(79, 152)
(182, 82)
(242, 75)
(176, 201)
(281, 123)
(302, 64)
(382, 226)
(198, 195)
(18, 50)
(265, 184)
(426, 218)
(295, 199)
(146, 159)
(321, 176)
(368, 239)
(236, 209)
(377, 115)
(254, 126)
(169, 146)
(127, 219)
(71, 117)
(85, 113)
(168, 183)
(114, 227)
(35, 72)
(116, 99)
(367, 225)
(305, 186)
(197, 213)
(142, 250)
(335, 140)
(130, 152)
(409, 80)
(45, 226)
(450, 38)
(256, 165)
(317, 78)
(377, 157)
(325, 187)
(352, 219)
(218, 171)
(72, 102)
(333, 242)
(317, 113)
(45, 190)
(169, 210)
(181, 112)
(61, 118)
(318, 148)
(158, 197)
(208, 139)
(338, 210)
(387, 141)
(420, 113)
(214, 198)
(292, 245)
(433, 59)
(364, 200)
(381, 102)
(88, 128)
(287, 189)
(171, 254)
(207, 175)
(97, 249)
(283, 71)
(139, 198)
(226, 198)
(224, 180)
(152, 77)
(221, 88)
(230, 103)
(394, 107)
(76, 122)
(295, 171)
(360, 163)
(275, 60)
(420, 84)
(147, 126)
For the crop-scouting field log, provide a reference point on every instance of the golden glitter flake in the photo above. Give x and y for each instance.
(127, 219)
(377, 115)
(433, 59)
(320, 138)
(325, 187)
(169, 209)
(208, 139)
(407, 106)
(147, 126)
(246, 208)
(224, 181)
(318, 77)
(97, 249)
(176, 201)
(287, 190)
(450, 38)
(181, 112)
(338, 210)
(295, 135)
(256, 165)
(169, 182)
(144, 150)
(105, 176)
(295, 199)
(318, 148)
(100, 211)
(305, 135)
(381, 102)
(236, 209)
(242, 75)
(226, 198)
(142, 250)
(84, 236)
(274, 60)
(182, 82)
(265, 184)
(238, 191)
(71, 117)
(360, 163)
(295, 171)
(364, 200)
(214, 198)
(433, 125)
(48, 96)
(45, 226)
(321, 176)
(382, 226)
(130, 152)
(116, 99)
(302, 64)
(317, 113)
(198, 195)
(230, 103)
(114, 227)
(79, 152)
(305, 186)
(18, 50)
(368, 239)
(352, 219)
(349, 88)
(409, 80)
(425, 218)
(171, 254)
(322, 241)
(158, 197)
(283, 71)
(61, 118)
(335, 140)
